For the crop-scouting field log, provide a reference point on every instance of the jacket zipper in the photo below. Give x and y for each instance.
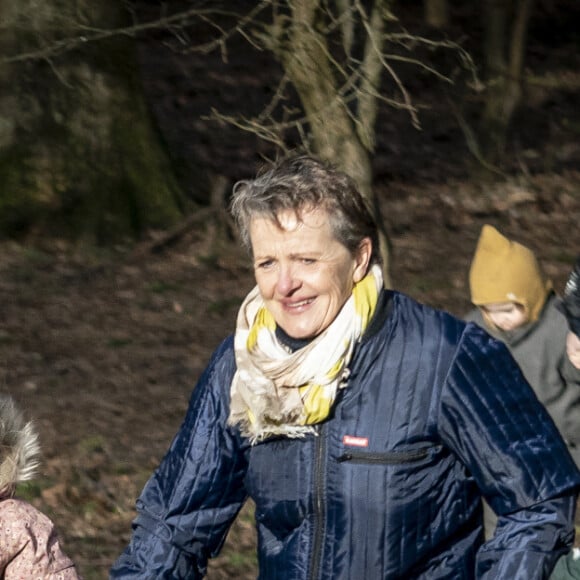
(319, 504)
(383, 458)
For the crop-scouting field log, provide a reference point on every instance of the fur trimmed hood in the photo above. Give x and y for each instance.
(19, 448)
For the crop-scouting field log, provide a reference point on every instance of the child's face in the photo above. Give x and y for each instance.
(505, 315)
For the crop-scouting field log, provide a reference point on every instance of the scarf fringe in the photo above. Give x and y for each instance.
(290, 431)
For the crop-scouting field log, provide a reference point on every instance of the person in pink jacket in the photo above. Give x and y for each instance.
(29, 545)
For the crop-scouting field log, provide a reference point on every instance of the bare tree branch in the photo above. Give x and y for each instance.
(81, 34)
(371, 72)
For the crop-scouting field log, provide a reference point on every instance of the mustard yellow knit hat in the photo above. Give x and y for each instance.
(506, 271)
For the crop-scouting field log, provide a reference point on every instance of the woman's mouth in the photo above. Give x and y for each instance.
(296, 305)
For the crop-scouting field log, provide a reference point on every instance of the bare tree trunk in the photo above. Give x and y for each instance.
(347, 24)
(78, 152)
(505, 46)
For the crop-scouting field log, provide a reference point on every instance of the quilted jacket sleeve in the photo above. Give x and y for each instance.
(492, 419)
(188, 505)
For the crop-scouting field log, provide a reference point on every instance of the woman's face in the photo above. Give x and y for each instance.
(304, 274)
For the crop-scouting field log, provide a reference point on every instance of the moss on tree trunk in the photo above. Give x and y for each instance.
(79, 154)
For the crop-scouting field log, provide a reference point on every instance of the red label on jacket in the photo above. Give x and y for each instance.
(353, 441)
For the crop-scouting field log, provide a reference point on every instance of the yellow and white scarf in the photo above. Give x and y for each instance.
(276, 392)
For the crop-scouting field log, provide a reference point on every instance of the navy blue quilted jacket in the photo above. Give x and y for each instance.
(435, 414)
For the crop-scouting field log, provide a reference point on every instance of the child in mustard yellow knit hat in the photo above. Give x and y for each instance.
(516, 303)
(506, 282)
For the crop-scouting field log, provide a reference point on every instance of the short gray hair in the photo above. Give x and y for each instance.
(305, 183)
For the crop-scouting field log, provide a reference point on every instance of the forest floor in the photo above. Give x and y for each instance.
(103, 348)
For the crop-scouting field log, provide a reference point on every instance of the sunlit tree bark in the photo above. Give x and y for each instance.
(78, 153)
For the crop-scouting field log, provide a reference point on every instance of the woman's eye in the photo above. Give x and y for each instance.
(308, 261)
(264, 264)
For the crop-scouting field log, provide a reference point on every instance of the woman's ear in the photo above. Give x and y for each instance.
(363, 258)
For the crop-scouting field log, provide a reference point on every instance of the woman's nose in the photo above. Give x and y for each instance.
(287, 280)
